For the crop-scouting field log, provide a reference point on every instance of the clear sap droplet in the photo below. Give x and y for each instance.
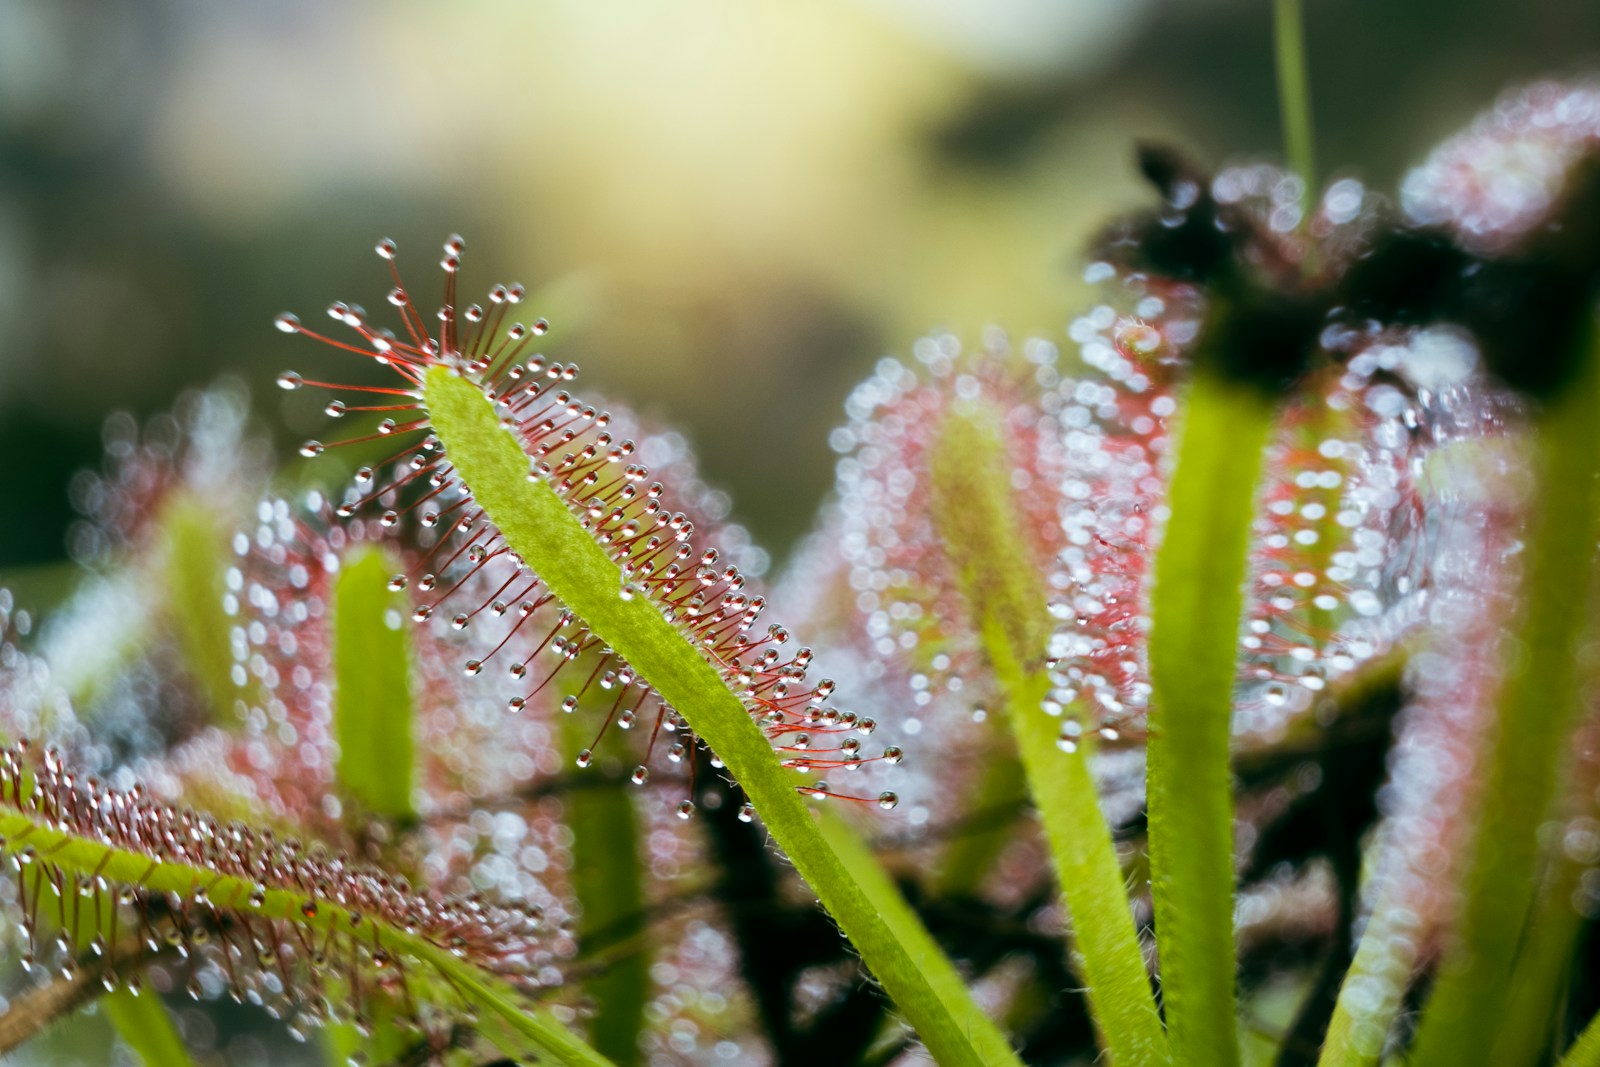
(685, 809)
(386, 248)
(288, 322)
(585, 758)
(893, 754)
(290, 380)
(747, 811)
(335, 409)
(887, 800)
(312, 449)
(640, 775)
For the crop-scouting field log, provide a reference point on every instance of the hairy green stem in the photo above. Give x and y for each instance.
(1006, 596)
(1196, 604)
(536, 524)
(1537, 705)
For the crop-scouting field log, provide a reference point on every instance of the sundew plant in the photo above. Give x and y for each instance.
(1213, 684)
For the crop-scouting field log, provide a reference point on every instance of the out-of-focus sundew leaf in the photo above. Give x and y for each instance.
(372, 691)
(143, 1023)
(607, 879)
(1001, 796)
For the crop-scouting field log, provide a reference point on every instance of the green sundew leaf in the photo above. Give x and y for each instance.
(607, 880)
(372, 690)
(536, 524)
(1006, 595)
(1196, 604)
(193, 565)
(145, 1026)
(93, 859)
(1536, 708)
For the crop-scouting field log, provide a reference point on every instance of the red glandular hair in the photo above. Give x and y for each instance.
(228, 944)
(1334, 569)
(471, 577)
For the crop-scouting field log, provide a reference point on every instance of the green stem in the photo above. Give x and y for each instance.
(1549, 943)
(1373, 988)
(1090, 874)
(142, 1021)
(1537, 704)
(1006, 596)
(607, 881)
(536, 524)
(1585, 1052)
(1294, 96)
(372, 689)
(1196, 604)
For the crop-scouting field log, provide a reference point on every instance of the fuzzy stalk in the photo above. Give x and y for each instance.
(1537, 705)
(1006, 597)
(1294, 96)
(536, 524)
(1196, 606)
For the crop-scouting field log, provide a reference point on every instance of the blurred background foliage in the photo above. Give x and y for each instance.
(727, 208)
